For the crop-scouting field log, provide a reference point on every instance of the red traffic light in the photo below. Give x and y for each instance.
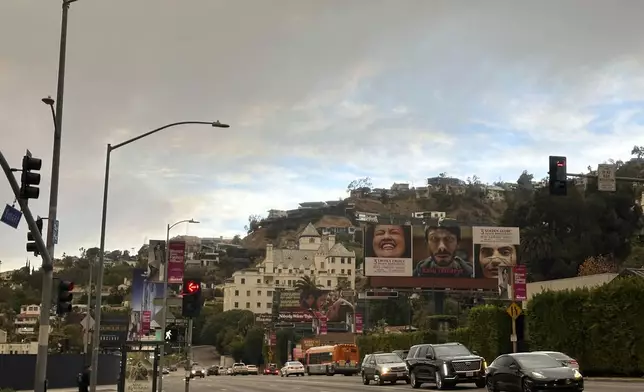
(561, 163)
(66, 285)
(192, 287)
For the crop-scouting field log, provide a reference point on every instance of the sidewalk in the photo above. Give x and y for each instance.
(615, 379)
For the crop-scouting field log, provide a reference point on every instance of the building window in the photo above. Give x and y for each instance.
(277, 282)
(269, 293)
(342, 271)
(290, 271)
(342, 260)
(269, 305)
(259, 292)
(236, 304)
(348, 272)
(322, 266)
(236, 293)
(333, 271)
(247, 305)
(243, 281)
(248, 293)
(279, 271)
(259, 281)
(259, 305)
(311, 240)
(328, 283)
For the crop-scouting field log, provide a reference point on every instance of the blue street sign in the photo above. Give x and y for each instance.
(11, 216)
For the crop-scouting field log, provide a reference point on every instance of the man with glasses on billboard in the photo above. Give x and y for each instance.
(443, 261)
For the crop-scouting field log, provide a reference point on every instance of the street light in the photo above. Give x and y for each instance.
(99, 279)
(164, 310)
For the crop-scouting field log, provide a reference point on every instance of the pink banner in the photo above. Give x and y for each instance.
(146, 319)
(323, 325)
(520, 290)
(358, 320)
(177, 261)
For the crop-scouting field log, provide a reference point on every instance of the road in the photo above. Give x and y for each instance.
(174, 383)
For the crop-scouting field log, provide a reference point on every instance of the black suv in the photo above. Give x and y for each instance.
(445, 365)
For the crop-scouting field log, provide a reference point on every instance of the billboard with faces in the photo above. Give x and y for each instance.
(444, 250)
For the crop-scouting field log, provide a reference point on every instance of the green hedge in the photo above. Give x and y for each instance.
(390, 342)
(602, 328)
(489, 329)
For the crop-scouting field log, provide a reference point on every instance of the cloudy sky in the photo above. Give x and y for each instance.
(317, 93)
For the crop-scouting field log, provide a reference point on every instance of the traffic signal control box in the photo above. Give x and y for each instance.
(192, 300)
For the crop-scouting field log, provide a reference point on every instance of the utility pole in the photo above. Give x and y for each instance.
(188, 351)
(89, 308)
(45, 305)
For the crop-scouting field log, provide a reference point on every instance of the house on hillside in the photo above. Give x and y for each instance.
(312, 205)
(317, 256)
(399, 188)
(494, 193)
(277, 214)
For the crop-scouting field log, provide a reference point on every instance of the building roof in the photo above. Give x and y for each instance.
(309, 231)
(295, 257)
(338, 250)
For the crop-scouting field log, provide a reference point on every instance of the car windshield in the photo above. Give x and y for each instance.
(537, 361)
(388, 358)
(293, 363)
(451, 351)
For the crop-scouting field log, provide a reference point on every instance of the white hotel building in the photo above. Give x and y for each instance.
(317, 256)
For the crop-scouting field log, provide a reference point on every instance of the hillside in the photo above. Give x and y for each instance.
(468, 207)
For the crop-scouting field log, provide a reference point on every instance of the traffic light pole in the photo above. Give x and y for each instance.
(188, 351)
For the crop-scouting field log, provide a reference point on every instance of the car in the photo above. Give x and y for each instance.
(240, 369)
(212, 371)
(197, 372)
(445, 365)
(531, 372)
(172, 368)
(271, 370)
(401, 353)
(386, 367)
(229, 372)
(292, 368)
(252, 369)
(561, 357)
(165, 371)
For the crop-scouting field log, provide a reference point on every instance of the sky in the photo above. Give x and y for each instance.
(317, 93)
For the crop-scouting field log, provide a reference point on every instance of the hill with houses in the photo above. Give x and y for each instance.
(469, 202)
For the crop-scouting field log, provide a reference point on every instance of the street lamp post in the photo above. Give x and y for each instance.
(101, 256)
(164, 310)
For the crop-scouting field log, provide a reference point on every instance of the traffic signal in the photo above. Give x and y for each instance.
(29, 180)
(191, 298)
(171, 333)
(31, 241)
(65, 296)
(558, 176)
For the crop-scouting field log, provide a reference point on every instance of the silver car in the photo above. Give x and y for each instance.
(562, 358)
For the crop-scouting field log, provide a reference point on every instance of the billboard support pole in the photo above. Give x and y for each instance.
(513, 338)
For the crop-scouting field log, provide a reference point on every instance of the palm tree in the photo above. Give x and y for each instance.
(343, 284)
(307, 283)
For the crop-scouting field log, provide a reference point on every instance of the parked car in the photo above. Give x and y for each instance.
(271, 370)
(213, 371)
(292, 368)
(165, 371)
(252, 369)
(240, 368)
(562, 358)
(445, 365)
(229, 372)
(383, 368)
(531, 372)
(198, 372)
(172, 368)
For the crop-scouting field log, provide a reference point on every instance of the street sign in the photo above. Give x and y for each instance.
(55, 230)
(11, 216)
(606, 178)
(378, 294)
(514, 311)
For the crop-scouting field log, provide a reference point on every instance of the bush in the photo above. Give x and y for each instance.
(389, 342)
(489, 330)
(460, 335)
(601, 328)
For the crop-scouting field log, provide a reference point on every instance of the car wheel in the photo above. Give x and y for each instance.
(480, 383)
(407, 380)
(440, 385)
(413, 380)
(490, 385)
(379, 380)
(365, 380)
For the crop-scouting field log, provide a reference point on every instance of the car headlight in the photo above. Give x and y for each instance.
(445, 369)
(576, 374)
(538, 375)
(384, 370)
(484, 364)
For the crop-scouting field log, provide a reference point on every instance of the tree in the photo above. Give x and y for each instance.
(253, 223)
(236, 240)
(359, 184)
(223, 329)
(307, 283)
(597, 265)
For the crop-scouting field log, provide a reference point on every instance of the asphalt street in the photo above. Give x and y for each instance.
(174, 383)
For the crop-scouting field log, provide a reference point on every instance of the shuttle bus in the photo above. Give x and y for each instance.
(331, 360)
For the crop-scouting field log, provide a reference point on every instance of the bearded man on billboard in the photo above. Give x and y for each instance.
(443, 261)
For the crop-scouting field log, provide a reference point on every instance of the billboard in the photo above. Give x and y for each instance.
(156, 261)
(440, 255)
(310, 304)
(113, 330)
(144, 312)
(177, 261)
(388, 250)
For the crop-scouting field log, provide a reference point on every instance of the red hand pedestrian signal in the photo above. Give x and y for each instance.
(192, 287)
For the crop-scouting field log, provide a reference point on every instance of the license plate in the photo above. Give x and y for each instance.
(469, 374)
(400, 374)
